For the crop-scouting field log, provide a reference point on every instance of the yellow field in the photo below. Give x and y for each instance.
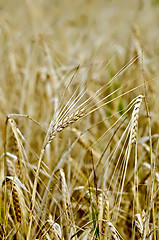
(79, 118)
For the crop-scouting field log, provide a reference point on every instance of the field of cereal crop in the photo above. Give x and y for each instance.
(79, 119)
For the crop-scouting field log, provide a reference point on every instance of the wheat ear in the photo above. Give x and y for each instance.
(19, 147)
(105, 213)
(65, 123)
(139, 224)
(55, 229)
(115, 234)
(16, 203)
(135, 116)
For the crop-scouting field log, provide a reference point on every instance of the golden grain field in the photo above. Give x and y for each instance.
(79, 119)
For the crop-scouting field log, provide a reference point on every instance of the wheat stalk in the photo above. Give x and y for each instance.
(100, 211)
(66, 202)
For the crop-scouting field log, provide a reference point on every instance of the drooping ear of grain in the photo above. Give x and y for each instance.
(65, 123)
